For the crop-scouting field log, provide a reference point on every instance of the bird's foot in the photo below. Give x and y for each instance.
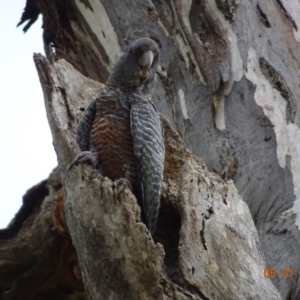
(121, 184)
(88, 157)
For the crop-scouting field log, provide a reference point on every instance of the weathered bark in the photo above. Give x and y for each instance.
(245, 53)
(37, 259)
(205, 232)
(228, 82)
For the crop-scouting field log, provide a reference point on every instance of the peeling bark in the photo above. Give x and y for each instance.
(279, 84)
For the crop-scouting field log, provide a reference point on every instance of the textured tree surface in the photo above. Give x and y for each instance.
(37, 259)
(207, 242)
(228, 82)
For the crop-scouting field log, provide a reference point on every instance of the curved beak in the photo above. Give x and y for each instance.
(146, 60)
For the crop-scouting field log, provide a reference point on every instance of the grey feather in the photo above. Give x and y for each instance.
(149, 151)
(85, 126)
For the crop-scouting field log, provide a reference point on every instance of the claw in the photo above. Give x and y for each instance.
(121, 184)
(87, 157)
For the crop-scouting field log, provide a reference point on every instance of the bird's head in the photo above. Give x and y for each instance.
(136, 67)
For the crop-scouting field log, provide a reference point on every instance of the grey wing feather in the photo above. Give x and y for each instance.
(149, 151)
(85, 126)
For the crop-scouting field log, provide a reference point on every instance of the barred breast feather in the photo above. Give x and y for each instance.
(111, 138)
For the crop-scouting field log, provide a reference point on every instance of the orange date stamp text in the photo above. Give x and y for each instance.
(271, 273)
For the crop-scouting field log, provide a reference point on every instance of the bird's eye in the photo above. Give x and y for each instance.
(130, 50)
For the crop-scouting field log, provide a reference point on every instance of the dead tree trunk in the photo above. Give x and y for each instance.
(205, 232)
(228, 82)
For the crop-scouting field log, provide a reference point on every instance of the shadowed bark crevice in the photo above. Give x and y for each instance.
(167, 233)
